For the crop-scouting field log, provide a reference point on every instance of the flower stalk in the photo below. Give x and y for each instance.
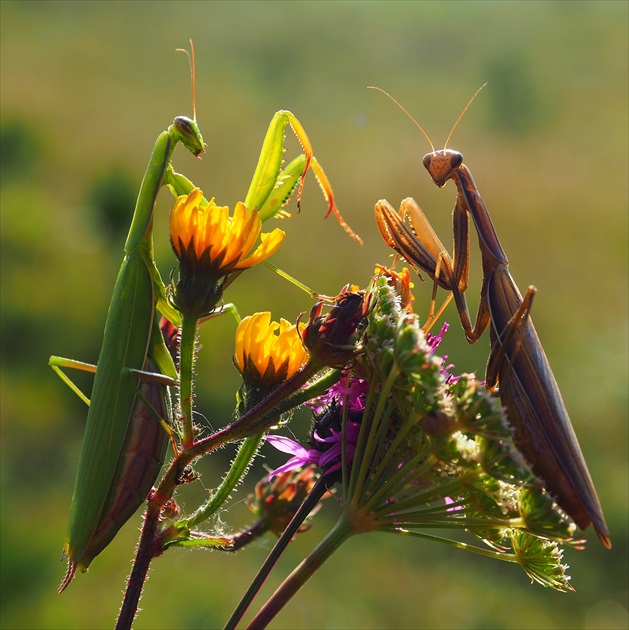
(187, 354)
(309, 504)
(306, 569)
(235, 474)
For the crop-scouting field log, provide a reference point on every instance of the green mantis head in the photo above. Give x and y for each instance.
(189, 134)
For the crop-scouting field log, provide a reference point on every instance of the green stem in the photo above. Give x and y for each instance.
(367, 438)
(310, 565)
(187, 346)
(388, 486)
(487, 553)
(287, 396)
(236, 473)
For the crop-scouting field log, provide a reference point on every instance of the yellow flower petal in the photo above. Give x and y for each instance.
(244, 230)
(270, 243)
(211, 244)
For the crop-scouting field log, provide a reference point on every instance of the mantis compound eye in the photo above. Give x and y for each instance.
(183, 125)
(190, 135)
(456, 159)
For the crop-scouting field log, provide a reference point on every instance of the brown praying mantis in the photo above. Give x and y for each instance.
(517, 367)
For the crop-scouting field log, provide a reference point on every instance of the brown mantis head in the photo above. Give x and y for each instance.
(442, 165)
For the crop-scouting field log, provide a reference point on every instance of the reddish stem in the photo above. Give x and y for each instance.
(145, 553)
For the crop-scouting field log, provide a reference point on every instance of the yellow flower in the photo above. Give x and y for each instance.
(210, 244)
(267, 352)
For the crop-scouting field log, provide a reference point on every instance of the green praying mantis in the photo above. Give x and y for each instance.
(130, 417)
(517, 366)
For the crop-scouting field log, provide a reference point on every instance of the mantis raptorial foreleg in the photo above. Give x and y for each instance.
(272, 186)
(269, 175)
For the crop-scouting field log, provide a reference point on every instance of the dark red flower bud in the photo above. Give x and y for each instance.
(331, 338)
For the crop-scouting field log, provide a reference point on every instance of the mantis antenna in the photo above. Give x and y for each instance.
(458, 120)
(432, 146)
(461, 114)
(193, 76)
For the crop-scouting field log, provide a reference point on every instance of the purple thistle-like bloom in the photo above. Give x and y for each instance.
(334, 453)
(329, 459)
(433, 342)
(352, 394)
(300, 454)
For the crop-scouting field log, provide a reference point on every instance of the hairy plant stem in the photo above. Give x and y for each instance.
(306, 507)
(187, 346)
(310, 565)
(234, 476)
(256, 420)
(139, 572)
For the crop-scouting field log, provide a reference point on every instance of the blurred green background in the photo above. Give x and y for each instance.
(86, 88)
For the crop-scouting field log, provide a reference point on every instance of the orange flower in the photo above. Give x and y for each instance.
(401, 282)
(210, 244)
(268, 352)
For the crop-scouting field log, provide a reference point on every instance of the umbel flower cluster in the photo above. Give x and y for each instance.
(411, 449)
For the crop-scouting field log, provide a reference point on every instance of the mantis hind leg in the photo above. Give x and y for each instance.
(57, 363)
(509, 342)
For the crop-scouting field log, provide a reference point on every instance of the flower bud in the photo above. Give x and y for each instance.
(331, 338)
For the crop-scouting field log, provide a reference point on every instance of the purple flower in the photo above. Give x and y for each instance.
(450, 502)
(327, 454)
(433, 342)
(351, 394)
(301, 456)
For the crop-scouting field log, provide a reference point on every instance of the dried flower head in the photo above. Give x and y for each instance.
(276, 500)
(331, 338)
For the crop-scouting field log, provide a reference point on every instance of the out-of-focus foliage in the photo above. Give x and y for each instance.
(86, 88)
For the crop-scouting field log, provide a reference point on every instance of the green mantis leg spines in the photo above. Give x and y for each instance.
(268, 174)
